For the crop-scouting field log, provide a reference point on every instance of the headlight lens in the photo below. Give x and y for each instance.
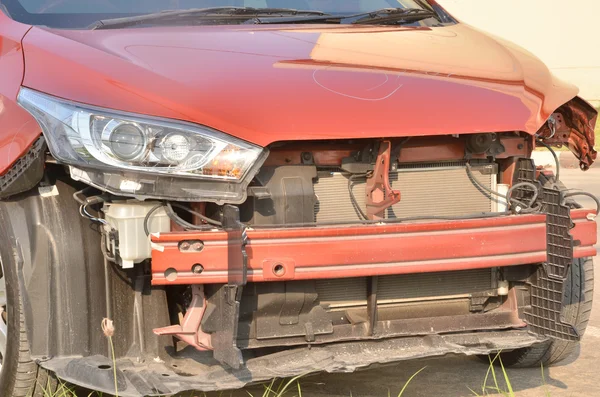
(126, 141)
(83, 135)
(91, 138)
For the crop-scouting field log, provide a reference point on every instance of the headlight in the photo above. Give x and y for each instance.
(199, 163)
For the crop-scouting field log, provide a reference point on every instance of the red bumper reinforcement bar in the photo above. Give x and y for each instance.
(201, 257)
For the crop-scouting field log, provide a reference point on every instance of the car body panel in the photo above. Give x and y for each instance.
(19, 129)
(266, 84)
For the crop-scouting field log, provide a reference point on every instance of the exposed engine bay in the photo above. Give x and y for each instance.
(371, 243)
(335, 184)
(455, 240)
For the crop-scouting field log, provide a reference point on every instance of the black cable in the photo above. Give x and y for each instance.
(182, 222)
(199, 215)
(557, 176)
(355, 204)
(596, 199)
(177, 219)
(148, 215)
(479, 184)
(525, 207)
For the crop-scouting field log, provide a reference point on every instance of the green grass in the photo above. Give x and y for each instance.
(494, 383)
(67, 390)
(506, 390)
(501, 385)
(276, 388)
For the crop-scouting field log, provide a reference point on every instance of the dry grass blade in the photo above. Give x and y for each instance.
(63, 390)
(511, 393)
(282, 391)
(546, 392)
(409, 380)
(487, 375)
(268, 389)
(496, 387)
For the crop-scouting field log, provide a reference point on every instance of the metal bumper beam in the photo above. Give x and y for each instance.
(281, 254)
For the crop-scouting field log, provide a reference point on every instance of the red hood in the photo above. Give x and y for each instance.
(266, 84)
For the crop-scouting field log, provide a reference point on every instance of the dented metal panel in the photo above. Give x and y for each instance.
(572, 125)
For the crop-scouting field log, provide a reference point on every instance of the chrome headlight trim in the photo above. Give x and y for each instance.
(80, 135)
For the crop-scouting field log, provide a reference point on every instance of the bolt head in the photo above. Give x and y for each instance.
(197, 268)
(184, 246)
(197, 246)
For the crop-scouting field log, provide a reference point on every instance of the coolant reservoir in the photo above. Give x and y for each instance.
(127, 218)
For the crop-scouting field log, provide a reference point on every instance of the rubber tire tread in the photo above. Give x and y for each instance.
(578, 296)
(21, 376)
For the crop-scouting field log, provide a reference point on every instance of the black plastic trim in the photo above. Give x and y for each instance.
(26, 172)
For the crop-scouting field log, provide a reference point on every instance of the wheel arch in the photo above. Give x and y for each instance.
(57, 257)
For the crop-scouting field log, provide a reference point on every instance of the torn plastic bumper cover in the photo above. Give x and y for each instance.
(195, 370)
(191, 369)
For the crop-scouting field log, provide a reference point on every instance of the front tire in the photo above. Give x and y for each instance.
(20, 376)
(577, 306)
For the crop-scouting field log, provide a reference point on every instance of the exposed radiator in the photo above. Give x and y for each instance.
(352, 292)
(433, 189)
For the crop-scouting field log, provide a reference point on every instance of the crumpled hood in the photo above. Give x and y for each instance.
(266, 84)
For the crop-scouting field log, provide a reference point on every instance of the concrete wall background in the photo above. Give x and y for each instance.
(565, 34)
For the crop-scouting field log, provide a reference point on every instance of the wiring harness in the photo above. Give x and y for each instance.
(85, 201)
(208, 222)
(516, 206)
(530, 204)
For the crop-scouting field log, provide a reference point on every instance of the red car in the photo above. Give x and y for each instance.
(259, 189)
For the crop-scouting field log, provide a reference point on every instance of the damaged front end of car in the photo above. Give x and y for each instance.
(223, 263)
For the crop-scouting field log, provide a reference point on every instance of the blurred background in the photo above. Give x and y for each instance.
(564, 34)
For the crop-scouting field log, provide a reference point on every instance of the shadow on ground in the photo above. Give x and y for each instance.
(447, 376)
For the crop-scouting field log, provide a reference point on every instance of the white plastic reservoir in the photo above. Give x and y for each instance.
(127, 218)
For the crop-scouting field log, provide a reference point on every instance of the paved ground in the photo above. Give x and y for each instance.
(452, 376)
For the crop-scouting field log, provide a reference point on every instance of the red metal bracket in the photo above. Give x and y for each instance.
(190, 331)
(380, 195)
(573, 129)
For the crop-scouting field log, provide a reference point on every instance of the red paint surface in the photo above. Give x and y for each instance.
(17, 128)
(354, 251)
(267, 84)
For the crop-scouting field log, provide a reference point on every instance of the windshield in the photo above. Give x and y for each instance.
(82, 13)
